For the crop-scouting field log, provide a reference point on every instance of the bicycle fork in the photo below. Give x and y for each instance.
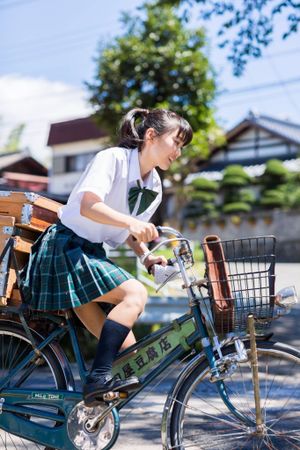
(257, 426)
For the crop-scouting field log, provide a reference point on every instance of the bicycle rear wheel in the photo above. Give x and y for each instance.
(45, 373)
(200, 419)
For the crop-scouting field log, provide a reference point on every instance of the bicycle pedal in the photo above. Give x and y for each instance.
(114, 395)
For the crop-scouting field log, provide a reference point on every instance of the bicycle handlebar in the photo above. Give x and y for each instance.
(165, 230)
(168, 230)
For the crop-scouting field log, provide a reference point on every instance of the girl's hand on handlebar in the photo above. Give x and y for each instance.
(151, 260)
(142, 231)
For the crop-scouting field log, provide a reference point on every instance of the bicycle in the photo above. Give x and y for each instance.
(235, 390)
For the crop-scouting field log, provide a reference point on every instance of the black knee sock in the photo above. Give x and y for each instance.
(112, 337)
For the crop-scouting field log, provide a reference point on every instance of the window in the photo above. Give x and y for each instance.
(59, 164)
(77, 163)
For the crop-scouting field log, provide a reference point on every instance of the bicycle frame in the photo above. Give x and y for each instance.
(146, 359)
(152, 355)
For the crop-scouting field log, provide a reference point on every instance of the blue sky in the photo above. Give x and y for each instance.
(47, 49)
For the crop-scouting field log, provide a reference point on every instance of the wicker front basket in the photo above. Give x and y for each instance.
(241, 281)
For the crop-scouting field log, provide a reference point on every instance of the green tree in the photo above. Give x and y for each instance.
(158, 62)
(280, 188)
(13, 141)
(247, 26)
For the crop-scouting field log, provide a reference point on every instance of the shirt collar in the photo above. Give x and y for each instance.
(135, 171)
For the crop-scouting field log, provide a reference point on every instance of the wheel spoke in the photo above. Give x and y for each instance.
(15, 345)
(200, 417)
(233, 421)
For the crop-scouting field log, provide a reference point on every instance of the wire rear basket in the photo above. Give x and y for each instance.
(241, 281)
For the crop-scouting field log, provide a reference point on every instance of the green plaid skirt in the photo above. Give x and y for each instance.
(65, 271)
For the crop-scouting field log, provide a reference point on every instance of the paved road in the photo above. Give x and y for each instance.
(141, 422)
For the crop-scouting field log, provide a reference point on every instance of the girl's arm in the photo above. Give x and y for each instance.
(93, 208)
(140, 249)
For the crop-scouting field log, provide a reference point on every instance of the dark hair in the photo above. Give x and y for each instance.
(137, 121)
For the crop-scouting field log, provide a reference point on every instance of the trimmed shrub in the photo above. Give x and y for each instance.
(273, 198)
(275, 168)
(205, 185)
(235, 175)
(203, 196)
(236, 207)
(234, 181)
(247, 196)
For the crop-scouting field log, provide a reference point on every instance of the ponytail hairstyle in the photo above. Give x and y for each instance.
(137, 121)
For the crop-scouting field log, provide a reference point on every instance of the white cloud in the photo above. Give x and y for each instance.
(37, 102)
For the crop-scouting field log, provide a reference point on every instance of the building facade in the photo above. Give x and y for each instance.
(252, 142)
(73, 143)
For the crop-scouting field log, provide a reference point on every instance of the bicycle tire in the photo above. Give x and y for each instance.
(200, 420)
(14, 344)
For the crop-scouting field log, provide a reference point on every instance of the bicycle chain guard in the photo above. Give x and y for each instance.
(97, 439)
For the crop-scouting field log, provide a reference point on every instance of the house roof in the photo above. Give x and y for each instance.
(74, 130)
(282, 128)
(7, 159)
(22, 163)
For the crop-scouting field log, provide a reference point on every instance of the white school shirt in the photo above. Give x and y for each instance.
(110, 175)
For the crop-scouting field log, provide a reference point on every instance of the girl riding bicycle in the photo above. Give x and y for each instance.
(112, 203)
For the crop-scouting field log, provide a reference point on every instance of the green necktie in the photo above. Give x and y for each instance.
(147, 198)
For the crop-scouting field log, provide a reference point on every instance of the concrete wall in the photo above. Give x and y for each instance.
(285, 226)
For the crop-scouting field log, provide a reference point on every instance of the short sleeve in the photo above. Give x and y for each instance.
(100, 174)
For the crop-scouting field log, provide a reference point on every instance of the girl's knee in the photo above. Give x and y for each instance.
(136, 294)
(136, 289)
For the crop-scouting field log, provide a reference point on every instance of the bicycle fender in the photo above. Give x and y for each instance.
(65, 365)
(57, 350)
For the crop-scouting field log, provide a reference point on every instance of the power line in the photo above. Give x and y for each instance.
(240, 91)
(226, 104)
(45, 52)
(282, 53)
(284, 86)
(255, 99)
(259, 87)
(16, 3)
(41, 41)
(67, 93)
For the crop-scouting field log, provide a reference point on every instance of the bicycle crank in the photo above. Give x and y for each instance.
(102, 434)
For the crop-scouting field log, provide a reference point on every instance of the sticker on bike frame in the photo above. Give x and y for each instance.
(46, 396)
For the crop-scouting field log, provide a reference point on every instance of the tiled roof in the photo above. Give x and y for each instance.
(74, 130)
(285, 129)
(282, 128)
(10, 158)
(21, 162)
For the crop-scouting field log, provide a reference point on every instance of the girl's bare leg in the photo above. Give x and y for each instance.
(130, 298)
(93, 318)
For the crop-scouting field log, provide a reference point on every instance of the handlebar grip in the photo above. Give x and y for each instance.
(159, 230)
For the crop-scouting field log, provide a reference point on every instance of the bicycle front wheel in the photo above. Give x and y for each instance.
(42, 373)
(200, 419)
